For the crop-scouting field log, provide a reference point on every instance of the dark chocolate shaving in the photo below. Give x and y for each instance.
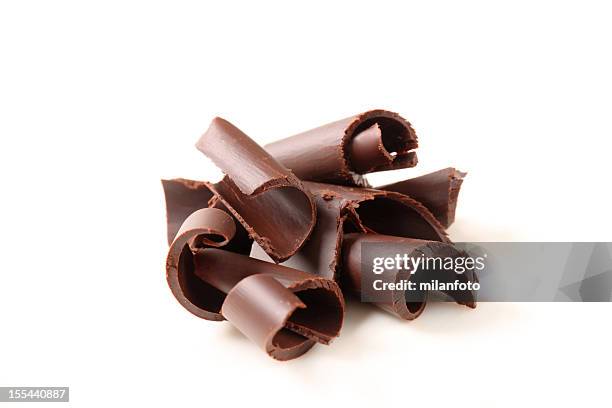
(351, 209)
(205, 227)
(384, 212)
(341, 152)
(310, 306)
(438, 191)
(283, 310)
(398, 302)
(266, 198)
(183, 197)
(260, 307)
(315, 230)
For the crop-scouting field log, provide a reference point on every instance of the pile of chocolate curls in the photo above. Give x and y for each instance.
(276, 244)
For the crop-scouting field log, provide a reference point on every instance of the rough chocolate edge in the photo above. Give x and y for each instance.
(318, 316)
(266, 174)
(406, 157)
(438, 191)
(338, 207)
(336, 137)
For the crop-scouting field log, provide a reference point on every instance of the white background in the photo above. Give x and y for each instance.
(100, 101)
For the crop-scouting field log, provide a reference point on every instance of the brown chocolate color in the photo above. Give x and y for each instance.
(353, 209)
(266, 198)
(397, 302)
(260, 307)
(205, 227)
(342, 151)
(314, 229)
(438, 191)
(183, 197)
(283, 310)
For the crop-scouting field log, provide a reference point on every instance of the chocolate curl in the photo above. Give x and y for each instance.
(184, 197)
(264, 321)
(438, 191)
(285, 311)
(349, 209)
(341, 152)
(319, 255)
(266, 198)
(383, 212)
(292, 308)
(205, 227)
(402, 304)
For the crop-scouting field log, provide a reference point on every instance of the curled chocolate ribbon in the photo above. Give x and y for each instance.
(438, 191)
(404, 304)
(265, 197)
(343, 210)
(342, 151)
(285, 311)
